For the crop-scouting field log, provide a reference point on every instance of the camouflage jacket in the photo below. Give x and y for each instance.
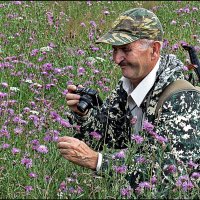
(179, 120)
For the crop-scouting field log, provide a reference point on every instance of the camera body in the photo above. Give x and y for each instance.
(89, 98)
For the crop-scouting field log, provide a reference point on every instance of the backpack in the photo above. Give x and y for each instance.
(174, 87)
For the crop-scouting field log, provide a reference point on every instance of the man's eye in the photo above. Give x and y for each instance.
(126, 49)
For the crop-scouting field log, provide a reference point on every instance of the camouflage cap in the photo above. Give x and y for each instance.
(134, 24)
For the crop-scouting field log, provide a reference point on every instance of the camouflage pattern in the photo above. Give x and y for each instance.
(179, 120)
(134, 24)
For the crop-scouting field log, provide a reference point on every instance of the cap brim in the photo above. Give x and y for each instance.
(116, 38)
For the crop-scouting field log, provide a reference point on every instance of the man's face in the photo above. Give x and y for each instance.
(134, 59)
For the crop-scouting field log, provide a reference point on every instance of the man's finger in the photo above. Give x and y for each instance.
(68, 139)
(72, 96)
(64, 139)
(72, 102)
(71, 87)
(80, 86)
(64, 151)
(64, 145)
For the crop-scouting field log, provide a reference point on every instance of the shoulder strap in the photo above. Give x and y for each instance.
(174, 87)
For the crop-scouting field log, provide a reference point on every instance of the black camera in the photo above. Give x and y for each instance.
(89, 99)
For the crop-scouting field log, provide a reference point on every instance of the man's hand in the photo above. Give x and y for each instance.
(77, 152)
(73, 99)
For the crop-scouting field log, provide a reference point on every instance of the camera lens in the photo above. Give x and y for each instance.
(82, 106)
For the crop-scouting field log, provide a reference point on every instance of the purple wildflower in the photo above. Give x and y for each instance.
(70, 180)
(186, 10)
(2, 95)
(161, 139)
(5, 85)
(34, 52)
(33, 104)
(147, 126)
(81, 70)
(80, 52)
(91, 35)
(47, 178)
(185, 68)
(28, 188)
(95, 135)
(173, 22)
(120, 154)
(35, 142)
(165, 43)
(106, 89)
(18, 130)
(153, 180)
(192, 165)
(51, 44)
(5, 146)
(138, 190)
(57, 70)
(187, 185)
(82, 24)
(33, 175)
(17, 2)
(47, 66)
(142, 186)
(195, 9)
(94, 49)
(4, 132)
(15, 150)
(47, 138)
(141, 159)
(55, 116)
(175, 47)
(42, 149)
(126, 192)
(71, 190)
(170, 169)
(64, 92)
(63, 186)
(183, 43)
(65, 123)
(93, 24)
(184, 183)
(69, 67)
(26, 109)
(120, 169)
(195, 175)
(138, 139)
(79, 190)
(50, 18)
(89, 3)
(27, 162)
(145, 184)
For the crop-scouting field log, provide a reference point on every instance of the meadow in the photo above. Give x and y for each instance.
(45, 46)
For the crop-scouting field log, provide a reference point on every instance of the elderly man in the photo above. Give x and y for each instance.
(136, 38)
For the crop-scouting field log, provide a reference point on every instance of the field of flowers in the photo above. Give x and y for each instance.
(46, 45)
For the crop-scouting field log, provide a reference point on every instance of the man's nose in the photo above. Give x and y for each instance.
(118, 57)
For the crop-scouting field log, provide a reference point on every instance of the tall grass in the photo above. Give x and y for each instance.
(44, 46)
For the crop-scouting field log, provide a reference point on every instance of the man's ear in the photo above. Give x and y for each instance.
(156, 49)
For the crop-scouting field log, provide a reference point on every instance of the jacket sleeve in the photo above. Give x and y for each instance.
(109, 122)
